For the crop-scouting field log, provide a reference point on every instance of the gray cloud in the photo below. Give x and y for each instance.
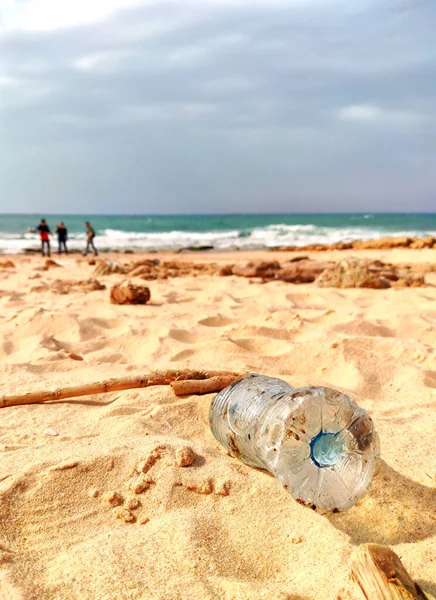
(158, 107)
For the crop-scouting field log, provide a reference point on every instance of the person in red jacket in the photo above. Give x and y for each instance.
(44, 233)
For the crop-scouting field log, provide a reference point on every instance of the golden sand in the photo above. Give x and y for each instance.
(127, 495)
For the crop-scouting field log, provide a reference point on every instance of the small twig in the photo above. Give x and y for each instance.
(200, 382)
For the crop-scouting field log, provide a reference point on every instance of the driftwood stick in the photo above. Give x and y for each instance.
(127, 383)
(202, 386)
(381, 575)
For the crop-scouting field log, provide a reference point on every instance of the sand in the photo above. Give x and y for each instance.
(104, 510)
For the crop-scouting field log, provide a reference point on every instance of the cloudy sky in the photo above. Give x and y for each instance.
(199, 106)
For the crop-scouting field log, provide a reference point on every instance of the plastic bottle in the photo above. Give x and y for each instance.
(319, 444)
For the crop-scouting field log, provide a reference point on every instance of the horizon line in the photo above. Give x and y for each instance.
(230, 214)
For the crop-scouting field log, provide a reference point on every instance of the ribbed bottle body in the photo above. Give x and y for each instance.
(318, 442)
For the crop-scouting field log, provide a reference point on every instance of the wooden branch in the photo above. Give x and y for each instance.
(200, 382)
(202, 386)
(381, 575)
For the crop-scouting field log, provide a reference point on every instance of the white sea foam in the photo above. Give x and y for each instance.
(257, 238)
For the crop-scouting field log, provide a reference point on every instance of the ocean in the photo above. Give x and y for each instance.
(220, 232)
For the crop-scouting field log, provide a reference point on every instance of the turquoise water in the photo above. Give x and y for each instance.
(222, 232)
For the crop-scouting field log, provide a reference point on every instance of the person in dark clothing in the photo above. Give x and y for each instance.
(90, 235)
(44, 233)
(62, 232)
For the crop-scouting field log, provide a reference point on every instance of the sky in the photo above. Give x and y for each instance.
(217, 106)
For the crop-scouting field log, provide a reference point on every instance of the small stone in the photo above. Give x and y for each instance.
(51, 432)
(185, 456)
(206, 487)
(132, 503)
(124, 515)
(74, 356)
(143, 520)
(93, 493)
(146, 464)
(222, 488)
(138, 485)
(114, 498)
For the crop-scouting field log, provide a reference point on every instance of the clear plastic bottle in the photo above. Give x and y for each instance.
(316, 441)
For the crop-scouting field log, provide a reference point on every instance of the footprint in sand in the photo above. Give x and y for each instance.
(217, 321)
(183, 355)
(175, 298)
(430, 379)
(181, 335)
(263, 347)
(366, 328)
(237, 300)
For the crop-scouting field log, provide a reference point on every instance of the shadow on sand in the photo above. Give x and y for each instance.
(397, 511)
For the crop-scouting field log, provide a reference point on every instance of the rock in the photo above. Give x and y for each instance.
(74, 356)
(132, 503)
(51, 263)
(383, 243)
(342, 246)
(141, 270)
(91, 261)
(298, 258)
(142, 266)
(226, 270)
(185, 456)
(138, 485)
(127, 293)
(65, 286)
(125, 515)
(427, 242)
(263, 269)
(7, 264)
(114, 498)
(196, 248)
(106, 268)
(351, 273)
(304, 271)
(415, 281)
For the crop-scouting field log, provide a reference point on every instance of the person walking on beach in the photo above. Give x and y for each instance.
(44, 233)
(62, 232)
(90, 235)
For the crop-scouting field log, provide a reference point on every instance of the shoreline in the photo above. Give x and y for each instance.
(382, 243)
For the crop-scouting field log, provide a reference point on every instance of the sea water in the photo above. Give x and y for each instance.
(218, 232)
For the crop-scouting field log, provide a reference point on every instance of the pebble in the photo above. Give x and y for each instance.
(185, 456)
(114, 498)
(124, 515)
